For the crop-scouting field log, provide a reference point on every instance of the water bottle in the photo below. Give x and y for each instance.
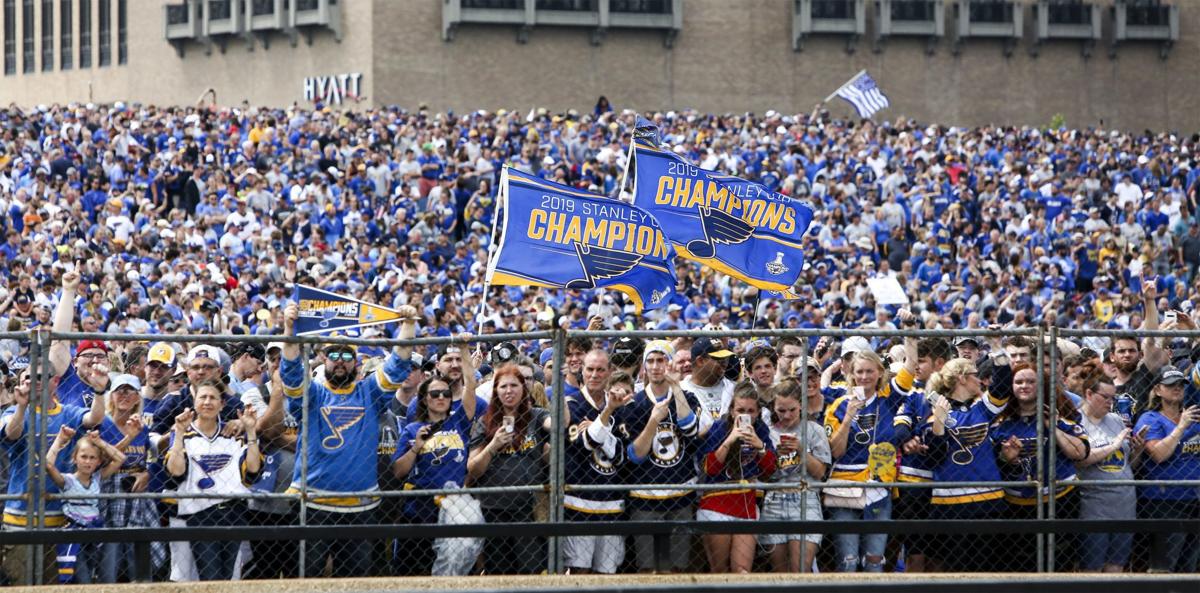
(1123, 407)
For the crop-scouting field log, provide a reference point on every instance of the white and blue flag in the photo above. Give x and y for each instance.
(862, 92)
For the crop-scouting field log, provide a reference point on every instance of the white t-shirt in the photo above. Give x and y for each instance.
(715, 399)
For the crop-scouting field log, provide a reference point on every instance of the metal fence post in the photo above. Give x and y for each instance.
(302, 564)
(557, 445)
(804, 444)
(1039, 420)
(1052, 446)
(46, 371)
(32, 486)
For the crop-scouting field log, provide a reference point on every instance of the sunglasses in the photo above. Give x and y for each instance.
(344, 356)
(438, 394)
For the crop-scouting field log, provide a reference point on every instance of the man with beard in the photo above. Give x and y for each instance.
(449, 369)
(1132, 370)
(707, 380)
(342, 436)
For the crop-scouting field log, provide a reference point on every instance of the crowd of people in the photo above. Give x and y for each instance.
(132, 219)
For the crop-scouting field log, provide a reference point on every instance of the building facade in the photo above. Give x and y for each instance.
(1109, 63)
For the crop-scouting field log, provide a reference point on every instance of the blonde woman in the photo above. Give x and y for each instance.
(863, 443)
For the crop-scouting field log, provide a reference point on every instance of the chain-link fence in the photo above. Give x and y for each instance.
(269, 457)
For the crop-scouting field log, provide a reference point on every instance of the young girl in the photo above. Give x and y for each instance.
(737, 449)
(803, 453)
(94, 460)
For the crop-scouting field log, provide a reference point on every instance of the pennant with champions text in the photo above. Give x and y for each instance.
(321, 311)
(734, 226)
(560, 237)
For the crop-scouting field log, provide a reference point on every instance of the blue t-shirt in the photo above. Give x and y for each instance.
(1183, 464)
(441, 462)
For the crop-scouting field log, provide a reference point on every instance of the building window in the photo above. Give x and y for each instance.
(494, 4)
(27, 55)
(47, 35)
(641, 6)
(10, 37)
(85, 33)
(66, 36)
(995, 11)
(122, 24)
(105, 16)
(571, 5)
(833, 9)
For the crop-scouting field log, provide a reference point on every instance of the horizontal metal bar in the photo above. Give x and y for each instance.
(1143, 483)
(866, 583)
(1129, 333)
(311, 495)
(590, 528)
(810, 333)
(793, 486)
(259, 339)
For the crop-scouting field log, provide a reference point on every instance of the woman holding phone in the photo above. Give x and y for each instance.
(431, 453)
(1172, 434)
(803, 455)
(863, 443)
(509, 448)
(737, 449)
(1114, 450)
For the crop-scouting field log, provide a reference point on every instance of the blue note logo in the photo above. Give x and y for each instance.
(720, 228)
(339, 419)
(657, 296)
(600, 263)
(967, 438)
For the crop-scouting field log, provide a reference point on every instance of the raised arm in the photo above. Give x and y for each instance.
(64, 317)
(60, 442)
(1155, 355)
(116, 458)
(469, 400)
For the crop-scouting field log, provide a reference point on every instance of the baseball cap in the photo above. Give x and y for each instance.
(855, 344)
(674, 307)
(124, 380)
(627, 351)
(204, 351)
(709, 347)
(91, 345)
(161, 352)
(255, 350)
(546, 356)
(661, 346)
(965, 339)
(1170, 375)
(812, 364)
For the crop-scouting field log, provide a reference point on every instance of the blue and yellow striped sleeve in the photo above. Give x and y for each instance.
(291, 371)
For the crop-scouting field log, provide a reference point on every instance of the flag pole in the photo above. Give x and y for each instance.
(628, 159)
(852, 79)
(501, 200)
(757, 306)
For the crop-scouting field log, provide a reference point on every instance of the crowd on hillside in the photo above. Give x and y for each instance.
(179, 221)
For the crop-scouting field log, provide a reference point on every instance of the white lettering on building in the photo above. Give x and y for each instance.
(333, 89)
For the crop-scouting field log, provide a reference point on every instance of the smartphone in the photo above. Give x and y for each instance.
(509, 423)
(791, 438)
(860, 393)
(1170, 317)
(744, 421)
(1142, 432)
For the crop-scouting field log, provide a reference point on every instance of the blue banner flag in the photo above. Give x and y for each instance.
(734, 226)
(559, 237)
(322, 312)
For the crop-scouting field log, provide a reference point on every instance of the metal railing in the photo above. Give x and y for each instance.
(557, 485)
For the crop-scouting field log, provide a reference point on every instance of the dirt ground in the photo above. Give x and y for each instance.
(522, 582)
